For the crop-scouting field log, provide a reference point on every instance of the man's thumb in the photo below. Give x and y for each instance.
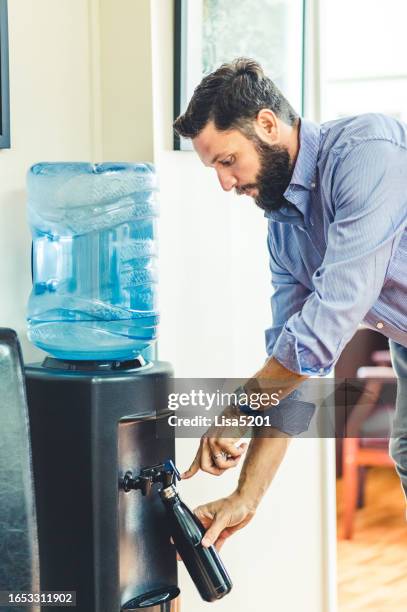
(191, 470)
(218, 525)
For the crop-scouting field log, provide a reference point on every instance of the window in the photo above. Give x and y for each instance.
(364, 61)
(211, 32)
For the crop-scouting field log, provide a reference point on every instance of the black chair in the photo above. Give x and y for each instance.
(19, 559)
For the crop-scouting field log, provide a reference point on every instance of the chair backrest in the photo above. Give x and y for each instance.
(376, 372)
(19, 559)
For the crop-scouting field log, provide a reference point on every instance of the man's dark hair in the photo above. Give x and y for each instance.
(231, 97)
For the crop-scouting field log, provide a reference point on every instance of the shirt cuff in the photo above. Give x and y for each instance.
(291, 416)
(298, 359)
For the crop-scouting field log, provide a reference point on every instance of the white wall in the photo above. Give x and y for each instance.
(125, 79)
(50, 101)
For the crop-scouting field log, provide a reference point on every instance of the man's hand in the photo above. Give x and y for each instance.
(219, 448)
(224, 517)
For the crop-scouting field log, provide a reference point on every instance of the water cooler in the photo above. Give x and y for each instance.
(95, 401)
(90, 424)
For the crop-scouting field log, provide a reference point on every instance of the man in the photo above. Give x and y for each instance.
(335, 197)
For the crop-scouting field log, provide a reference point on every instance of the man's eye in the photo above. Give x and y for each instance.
(228, 161)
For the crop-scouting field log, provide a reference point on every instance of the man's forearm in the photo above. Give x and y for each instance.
(262, 461)
(274, 379)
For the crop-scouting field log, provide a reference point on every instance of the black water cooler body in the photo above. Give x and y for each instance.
(89, 426)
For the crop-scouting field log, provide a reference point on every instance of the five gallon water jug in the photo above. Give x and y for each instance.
(94, 259)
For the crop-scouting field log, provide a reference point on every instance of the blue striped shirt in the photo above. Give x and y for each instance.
(338, 250)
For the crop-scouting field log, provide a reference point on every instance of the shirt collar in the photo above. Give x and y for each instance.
(303, 179)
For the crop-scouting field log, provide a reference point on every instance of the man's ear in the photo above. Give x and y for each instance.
(267, 126)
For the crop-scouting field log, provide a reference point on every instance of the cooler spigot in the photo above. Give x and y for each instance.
(168, 474)
(165, 474)
(203, 563)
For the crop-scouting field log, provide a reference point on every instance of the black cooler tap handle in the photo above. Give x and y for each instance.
(165, 474)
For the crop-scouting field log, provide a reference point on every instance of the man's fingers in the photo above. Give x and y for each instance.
(225, 455)
(225, 463)
(213, 458)
(226, 533)
(207, 461)
(204, 515)
(195, 465)
(219, 445)
(222, 518)
(218, 525)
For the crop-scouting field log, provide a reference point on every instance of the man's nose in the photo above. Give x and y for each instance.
(227, 180)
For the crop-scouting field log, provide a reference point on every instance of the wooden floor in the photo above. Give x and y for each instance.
(372, 568)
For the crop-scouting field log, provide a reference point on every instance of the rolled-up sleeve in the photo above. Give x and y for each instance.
(288, 297)
(369, 193)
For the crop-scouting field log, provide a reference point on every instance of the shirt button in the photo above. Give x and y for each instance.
(313, 185)
(379, 325)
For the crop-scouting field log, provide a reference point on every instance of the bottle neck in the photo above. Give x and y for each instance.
(169, 493)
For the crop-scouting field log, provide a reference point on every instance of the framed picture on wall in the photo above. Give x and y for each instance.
(211, 32)
(4, 79)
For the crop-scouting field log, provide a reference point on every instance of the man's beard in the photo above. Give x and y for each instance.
(274, 176)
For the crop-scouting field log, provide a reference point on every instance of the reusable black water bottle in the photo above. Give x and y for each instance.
(203, 564)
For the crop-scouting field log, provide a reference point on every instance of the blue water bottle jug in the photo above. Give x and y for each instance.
(94, 291)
